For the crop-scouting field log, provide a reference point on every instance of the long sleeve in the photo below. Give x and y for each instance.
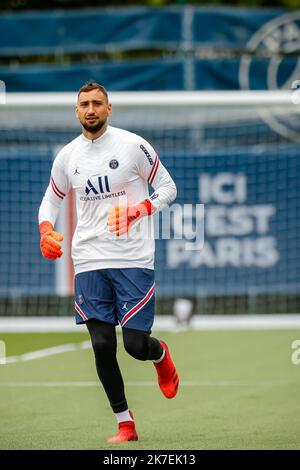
(55, 193)
(152, 170)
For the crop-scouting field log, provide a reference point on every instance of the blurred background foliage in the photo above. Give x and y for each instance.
(18, 5)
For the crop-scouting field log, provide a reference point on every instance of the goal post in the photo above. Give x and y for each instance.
(157, 98)
(235, 152)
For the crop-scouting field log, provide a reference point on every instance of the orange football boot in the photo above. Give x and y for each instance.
(126, 432)
(168, 379)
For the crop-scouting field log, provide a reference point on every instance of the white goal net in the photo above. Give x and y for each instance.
(235, 152)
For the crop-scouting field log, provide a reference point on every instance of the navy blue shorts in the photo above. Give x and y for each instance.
(125, 296)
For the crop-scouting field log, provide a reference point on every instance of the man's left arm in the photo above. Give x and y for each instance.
(164, 187)
(149, 167)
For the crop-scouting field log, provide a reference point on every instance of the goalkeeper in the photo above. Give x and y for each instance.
(112, 247)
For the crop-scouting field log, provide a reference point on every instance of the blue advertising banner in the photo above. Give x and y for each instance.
(218, 74)
(200, 48)
(131, 75)
(89, 30)
(107, 29)
(251, 223)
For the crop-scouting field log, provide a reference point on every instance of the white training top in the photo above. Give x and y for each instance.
(113, 170)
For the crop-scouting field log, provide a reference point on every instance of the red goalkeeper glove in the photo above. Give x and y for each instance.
(122, 218)
(50, 247)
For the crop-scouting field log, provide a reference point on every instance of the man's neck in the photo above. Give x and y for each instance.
(96, 135)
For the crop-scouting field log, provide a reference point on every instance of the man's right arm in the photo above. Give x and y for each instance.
(49, 209)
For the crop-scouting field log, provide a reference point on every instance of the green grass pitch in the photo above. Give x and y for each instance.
(239, 390)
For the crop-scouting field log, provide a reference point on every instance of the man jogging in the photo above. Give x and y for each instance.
(110, 170)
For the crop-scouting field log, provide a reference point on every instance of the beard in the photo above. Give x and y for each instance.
(93, 128)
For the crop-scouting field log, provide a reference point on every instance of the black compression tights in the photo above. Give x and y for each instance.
(137, 343)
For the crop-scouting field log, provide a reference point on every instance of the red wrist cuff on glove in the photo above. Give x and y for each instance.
(149, 206)
(45, 227)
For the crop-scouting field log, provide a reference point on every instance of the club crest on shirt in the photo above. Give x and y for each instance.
(113, 164)
(80, 299)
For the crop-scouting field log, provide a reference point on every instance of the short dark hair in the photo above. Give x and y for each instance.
(90, 85)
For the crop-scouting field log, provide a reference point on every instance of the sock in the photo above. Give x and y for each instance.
(161, 357)
(123, 416)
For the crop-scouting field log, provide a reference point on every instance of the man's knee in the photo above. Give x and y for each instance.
(103, 337)
(136, 343)
(102, 345)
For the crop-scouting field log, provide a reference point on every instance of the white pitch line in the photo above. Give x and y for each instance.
(30, 356)
(184, 383)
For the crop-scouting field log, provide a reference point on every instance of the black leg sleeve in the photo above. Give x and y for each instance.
(141, 345)
(104, 342)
